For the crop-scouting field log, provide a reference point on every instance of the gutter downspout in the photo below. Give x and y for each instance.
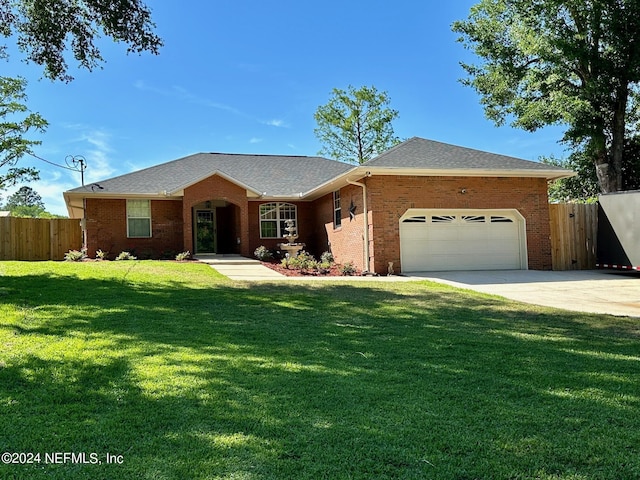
(365, 233)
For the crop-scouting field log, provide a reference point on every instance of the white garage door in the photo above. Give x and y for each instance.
(436, 240)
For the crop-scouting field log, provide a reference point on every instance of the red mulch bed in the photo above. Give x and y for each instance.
(334, 271)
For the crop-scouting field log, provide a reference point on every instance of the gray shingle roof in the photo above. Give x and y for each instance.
(287, 176)
(431, 155)
(271, 174)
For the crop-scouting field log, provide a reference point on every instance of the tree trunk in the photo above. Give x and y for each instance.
(601, 160)
(618, 131)
(603, 172)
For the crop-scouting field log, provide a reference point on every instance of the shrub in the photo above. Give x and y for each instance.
(74, 256)
(182, 256)
(327, 258)
(101, 255)
(262, 253)
(125, 256)
(305, 262)
(302, 261)
(312, 265)
(324, 267)
(347, 269)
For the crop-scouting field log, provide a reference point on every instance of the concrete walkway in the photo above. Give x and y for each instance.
(241, 268)
(593, 291)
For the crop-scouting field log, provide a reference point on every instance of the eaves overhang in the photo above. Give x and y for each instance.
(362, 171)
(335, 183)
(549, 174)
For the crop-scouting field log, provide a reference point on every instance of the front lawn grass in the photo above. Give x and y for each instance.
(187, 375)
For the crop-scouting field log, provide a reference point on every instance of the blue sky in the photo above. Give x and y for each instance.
(247, 76)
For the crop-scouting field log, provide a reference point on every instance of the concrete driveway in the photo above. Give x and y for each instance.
(594, 291)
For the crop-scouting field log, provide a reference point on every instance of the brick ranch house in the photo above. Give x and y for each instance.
(422, 205)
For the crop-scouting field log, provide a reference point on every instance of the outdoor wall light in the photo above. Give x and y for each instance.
(463, 191)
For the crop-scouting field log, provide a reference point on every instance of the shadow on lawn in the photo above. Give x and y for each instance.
(311, 381)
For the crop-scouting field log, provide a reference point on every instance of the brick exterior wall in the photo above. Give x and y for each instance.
(346, 241)
(217, 188)
(107, 229)
(391, 197)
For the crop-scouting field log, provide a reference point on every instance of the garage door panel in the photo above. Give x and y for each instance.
(457, 240)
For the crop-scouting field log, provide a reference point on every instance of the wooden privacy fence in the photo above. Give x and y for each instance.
(574, 230)
(38, 238)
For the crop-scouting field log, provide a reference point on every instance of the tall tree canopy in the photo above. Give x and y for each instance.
(45, 30)
(26, 202)
(565, 62)
(355, 125)
(24, 197)
(15, 122)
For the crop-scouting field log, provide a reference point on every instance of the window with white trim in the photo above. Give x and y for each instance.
(337, 210)
(139, 218)
(273, 216)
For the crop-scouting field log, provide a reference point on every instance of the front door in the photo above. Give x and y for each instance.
(205, 231)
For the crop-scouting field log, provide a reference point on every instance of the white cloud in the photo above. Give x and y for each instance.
(277, 123)
(98, 156)
(51, 192)
(182, 94)
(256, 140)
(94, 145)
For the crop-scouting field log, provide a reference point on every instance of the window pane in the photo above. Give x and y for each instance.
(443, 219)
(140, 227)
(138, 208)
(269, 211)
(272, 219)
(283, 226)
(287, 212)
(268, 229)
(415, 220)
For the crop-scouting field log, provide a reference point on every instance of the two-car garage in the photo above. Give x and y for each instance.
(476, 239)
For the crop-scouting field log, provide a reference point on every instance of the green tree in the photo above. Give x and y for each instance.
(24, 197)
(583, 188)
(355, 125)
(15, 122)
(26, 202)
(45, 31)
(565, 62)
